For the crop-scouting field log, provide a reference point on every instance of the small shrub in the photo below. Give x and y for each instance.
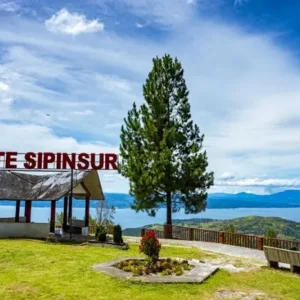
(185, 262)
(154, 269)
(159, 266)
(150, 246)
(178, 271)
(186, 267)
(120, 265)
(166, 265)
(118, 234)
(100, 233)
(140, 271)
(175, 262)
(132, 263)
(294, 248)
(127, 269)
(166, 272)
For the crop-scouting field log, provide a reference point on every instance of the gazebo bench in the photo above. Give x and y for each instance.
(275, 256)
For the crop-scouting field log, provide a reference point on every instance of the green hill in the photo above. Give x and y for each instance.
(248, 225)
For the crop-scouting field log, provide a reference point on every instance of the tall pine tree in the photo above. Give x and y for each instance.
(161, 148)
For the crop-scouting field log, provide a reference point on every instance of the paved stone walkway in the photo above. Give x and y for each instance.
(214, 247)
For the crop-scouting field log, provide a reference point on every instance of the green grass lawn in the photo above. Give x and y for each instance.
(37, 270)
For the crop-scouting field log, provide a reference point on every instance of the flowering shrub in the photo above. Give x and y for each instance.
(150, 246)
(100, 234)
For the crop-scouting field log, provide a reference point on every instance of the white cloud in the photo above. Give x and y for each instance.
(113, 83)
(166, 12)
(72, 23)
(227, 176)
(257, 182)
(237, 3)
(113, 126)
(139, 25)
(86, 112)
(9, 6)
(4, 87)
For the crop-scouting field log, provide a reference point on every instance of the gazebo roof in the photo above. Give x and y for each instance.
(24, 186)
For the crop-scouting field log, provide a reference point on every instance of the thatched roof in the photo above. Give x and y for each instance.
(24, 186)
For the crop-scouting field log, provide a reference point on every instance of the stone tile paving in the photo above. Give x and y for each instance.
(214, 247)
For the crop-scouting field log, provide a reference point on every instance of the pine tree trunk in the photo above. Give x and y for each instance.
(169, 216)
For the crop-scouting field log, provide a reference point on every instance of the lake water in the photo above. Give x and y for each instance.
(128, 218)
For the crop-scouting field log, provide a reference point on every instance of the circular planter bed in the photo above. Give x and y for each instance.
(198, 271)
(108, 244)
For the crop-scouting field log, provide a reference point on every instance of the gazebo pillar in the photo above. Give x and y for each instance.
(28, 211)
(52, 216)
(17, 215)
(87, 211)
(70, 209)
(65, 220)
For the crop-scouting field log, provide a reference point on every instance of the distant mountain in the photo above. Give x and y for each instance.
(248, 225)
(289, 198)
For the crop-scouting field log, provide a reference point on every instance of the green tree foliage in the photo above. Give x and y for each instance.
(161, 147)
(59, 218)
(270, 233)
(230, 228)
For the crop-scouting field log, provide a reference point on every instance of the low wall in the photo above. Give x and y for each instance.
(24, 230)
(12, 220)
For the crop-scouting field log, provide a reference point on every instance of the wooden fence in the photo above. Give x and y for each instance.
(212, 236)
(92, 229)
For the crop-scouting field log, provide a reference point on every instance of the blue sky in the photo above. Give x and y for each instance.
(84, 63)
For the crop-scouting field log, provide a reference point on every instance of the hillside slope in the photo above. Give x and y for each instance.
(248, 225)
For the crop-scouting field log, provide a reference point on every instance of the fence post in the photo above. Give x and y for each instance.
(191, 234)
(260, 243)
(221, 237)
(142, 232)
(167, 231)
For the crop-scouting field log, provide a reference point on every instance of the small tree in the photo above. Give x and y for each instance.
(270, 233)
(100, 233)
(59, 218)
(150, 246)
(105, 213)
(118, 234)
(161, 147)
(230, 228)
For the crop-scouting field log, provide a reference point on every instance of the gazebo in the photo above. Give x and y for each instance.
(69, 185)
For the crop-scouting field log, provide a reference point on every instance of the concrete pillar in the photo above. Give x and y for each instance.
(70, 209)
(87, 211)
(52, 216)
(65, 220)
(17, 215)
